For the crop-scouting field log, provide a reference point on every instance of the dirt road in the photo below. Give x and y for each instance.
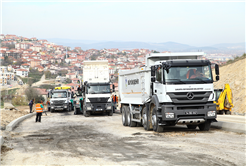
(67, 139)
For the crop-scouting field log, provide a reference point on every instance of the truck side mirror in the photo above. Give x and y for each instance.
(152, 71)
(217, 78)
(217, 69)
(152, 79)
(113, 88)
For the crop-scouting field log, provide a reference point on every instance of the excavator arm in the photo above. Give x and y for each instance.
(225, 100)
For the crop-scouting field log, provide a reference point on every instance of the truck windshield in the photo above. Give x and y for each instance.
(189, 75)
(98, 89)
(59, 95)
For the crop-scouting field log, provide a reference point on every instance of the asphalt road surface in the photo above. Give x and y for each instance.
(67, 139)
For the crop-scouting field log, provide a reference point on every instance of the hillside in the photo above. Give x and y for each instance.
(234, 74)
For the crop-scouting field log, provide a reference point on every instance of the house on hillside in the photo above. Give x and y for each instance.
(39, 68)
(35, 62)
(25, 66)
(71, 75)
(22, 72)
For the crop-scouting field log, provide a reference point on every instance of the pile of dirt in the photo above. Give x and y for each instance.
(8, 115)
(234, 75)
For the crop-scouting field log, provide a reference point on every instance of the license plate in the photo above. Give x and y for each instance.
(59, 108)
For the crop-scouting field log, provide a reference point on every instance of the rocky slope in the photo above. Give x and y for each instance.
(235, 75)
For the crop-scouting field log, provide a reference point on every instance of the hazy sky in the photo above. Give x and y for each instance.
(194, 23)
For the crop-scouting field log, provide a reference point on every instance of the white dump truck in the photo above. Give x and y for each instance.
(172, 88)
(96, 88)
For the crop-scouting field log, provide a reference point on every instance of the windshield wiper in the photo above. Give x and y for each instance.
(199, 79)
(175, 82)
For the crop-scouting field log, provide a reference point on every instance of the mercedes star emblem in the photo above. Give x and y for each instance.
(190, 95)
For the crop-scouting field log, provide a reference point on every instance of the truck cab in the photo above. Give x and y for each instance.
(60, 99)
(171, 89)
(97, 98)
(96, 88)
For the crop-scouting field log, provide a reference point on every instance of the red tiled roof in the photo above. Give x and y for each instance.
(21, 70)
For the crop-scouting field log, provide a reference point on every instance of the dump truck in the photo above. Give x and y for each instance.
(60, 99)
(170, 89)
(96, 88)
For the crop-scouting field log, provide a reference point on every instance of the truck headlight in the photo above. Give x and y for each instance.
(51, 102)
(108, 107)
(109, 100)
(169, 115)
(211, 113)
(65, 101)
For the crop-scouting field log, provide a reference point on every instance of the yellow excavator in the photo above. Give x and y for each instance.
(223, 100)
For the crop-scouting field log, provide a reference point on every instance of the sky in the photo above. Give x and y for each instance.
(196, 23)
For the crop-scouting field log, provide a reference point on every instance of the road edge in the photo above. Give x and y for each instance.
(15, 122)
(228, 126)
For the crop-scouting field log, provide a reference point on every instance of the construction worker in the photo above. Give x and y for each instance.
(31, 104)
(115, 100)
(39, 110)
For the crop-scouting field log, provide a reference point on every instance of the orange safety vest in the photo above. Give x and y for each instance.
(188, 73)
(38, 108)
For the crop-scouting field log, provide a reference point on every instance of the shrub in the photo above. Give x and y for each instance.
(19, 100)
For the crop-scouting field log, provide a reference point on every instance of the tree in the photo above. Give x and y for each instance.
(62, 72)
(47, 74)
(68, 81)
(31, 93)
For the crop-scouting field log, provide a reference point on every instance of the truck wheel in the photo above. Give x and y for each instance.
(86, 113)
(110, 113)
(145, 121)
(156, 126)
(75, 111)
(70, 107)
(205, 126)
(129, 118)
(124, 122)
(191, 126)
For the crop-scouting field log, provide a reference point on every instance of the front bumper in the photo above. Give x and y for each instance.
(98, 106)
(60, 107)
(188, 112)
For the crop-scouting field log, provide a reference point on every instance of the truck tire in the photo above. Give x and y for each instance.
(145, 120)
(191, 126)
(110, 113)
(205, 126)
(156, 126)
(129, 118)
(70, 107)
(124, 120)
(75, 111)
(86, 113)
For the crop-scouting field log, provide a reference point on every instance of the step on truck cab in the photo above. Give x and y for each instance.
(171, 89)
(96, 88)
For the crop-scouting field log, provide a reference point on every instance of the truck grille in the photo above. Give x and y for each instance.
(59, 101)
(189, 97)
(99, 100)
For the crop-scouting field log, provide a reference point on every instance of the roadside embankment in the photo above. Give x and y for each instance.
(235, 75)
